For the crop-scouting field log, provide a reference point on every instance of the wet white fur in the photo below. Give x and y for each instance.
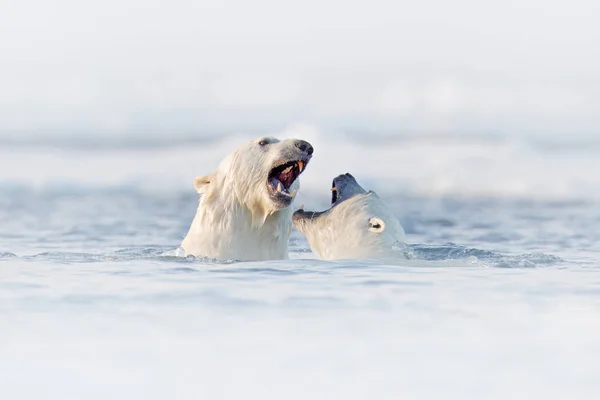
(236, 218)
(346, 231)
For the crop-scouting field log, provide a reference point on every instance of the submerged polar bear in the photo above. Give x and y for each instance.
(358, 224)
(244, 210)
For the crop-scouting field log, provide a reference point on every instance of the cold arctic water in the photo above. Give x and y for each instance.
(499, 296)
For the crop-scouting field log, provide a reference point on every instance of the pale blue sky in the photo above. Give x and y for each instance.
(178, 67)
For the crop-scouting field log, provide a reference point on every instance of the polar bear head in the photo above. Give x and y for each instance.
(358, 224)
(244, 210)
(261, 174)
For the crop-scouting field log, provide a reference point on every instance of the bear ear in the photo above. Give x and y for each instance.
(201, 183)
(376, 225)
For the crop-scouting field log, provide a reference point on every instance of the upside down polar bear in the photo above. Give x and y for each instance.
(244, 212)
(358, 224)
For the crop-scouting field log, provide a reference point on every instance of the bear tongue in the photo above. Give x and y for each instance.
(286, 177)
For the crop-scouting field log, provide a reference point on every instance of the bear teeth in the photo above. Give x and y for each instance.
(300, 165)
(282, 190)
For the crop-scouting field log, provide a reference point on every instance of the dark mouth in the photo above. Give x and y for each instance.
(334, 193)
(283, 176)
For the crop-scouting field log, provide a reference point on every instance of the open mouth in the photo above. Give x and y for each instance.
(334, 193)
(283, 176)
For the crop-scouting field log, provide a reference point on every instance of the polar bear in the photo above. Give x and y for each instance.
(244, 212)
(358, 224)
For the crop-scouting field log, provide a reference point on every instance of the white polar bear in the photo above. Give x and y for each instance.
(244, 210)
(358, 224)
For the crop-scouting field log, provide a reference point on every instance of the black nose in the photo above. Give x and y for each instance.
(304, 146)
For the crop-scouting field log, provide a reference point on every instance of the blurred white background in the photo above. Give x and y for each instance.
(495, 98)
(117, 71)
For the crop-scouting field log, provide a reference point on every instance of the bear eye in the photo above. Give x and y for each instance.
(264, 142)
(376, 225)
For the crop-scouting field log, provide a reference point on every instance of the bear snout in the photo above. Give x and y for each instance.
(304, 146)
